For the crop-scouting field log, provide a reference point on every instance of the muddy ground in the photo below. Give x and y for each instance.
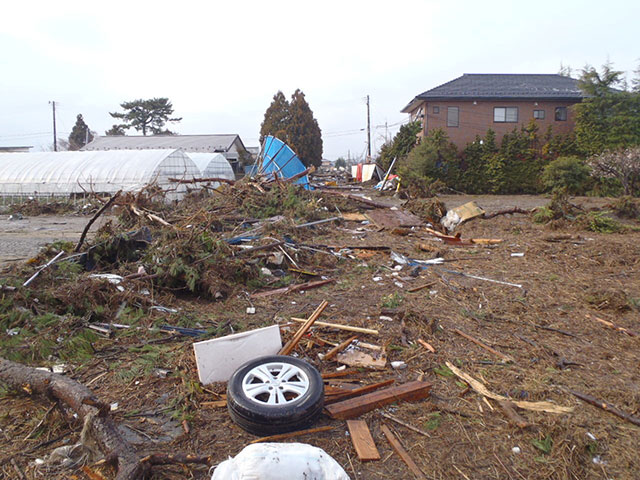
(568, 277)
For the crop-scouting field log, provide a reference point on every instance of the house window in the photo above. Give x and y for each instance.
(436, 110)
(539, 114)
(453, 116)
(505, 114)
(561, 114)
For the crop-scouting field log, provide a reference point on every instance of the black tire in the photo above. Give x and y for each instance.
(262, 419)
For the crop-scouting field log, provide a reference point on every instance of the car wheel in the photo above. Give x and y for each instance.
(275, 394)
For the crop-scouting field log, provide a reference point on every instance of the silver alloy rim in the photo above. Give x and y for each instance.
(275, 383)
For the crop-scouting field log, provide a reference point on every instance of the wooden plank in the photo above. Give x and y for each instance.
(291, 344)
(342, 373)
(503, 356)
(362, 440)
(348, 328)
(402, 453)
(386, 218)
(335, 350)
(353, 407)
(283, 436)
(356, 392)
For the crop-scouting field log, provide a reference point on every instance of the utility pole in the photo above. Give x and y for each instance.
(55, 136)
(368, 131)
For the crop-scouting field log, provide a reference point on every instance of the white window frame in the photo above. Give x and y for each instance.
(505, 118)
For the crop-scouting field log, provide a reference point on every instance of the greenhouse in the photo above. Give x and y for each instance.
(57, 174)
(213, 165)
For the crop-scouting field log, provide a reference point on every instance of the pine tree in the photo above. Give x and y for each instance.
(276, 118)
(80, 134)
(303, 133)
(146, 115)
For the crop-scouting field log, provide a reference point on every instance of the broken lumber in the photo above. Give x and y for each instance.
(362, 440)
(482, 390)
(356, 392)
(606, 406)
(291, 344)
(292, 288)
(335, 350)
(421, 287)
(402, 453)
(426, 345)
(505, 357)
(348, 328)
(44, 267)
(508, 211)
(613, 325)
(514, 417)
(357, 198)
(101, 427)
(283, 436)
(94, 218)
(343, 373)
(404, 424)
(353, 407)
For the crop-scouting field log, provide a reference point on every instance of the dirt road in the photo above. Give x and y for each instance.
(21, 239)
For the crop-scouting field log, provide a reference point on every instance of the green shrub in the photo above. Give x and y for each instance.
(569, 173)
(627, 207)
(601, 223)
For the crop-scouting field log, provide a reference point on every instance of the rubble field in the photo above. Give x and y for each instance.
(556, 303)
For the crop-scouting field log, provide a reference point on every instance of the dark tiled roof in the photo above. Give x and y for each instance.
(515, 86)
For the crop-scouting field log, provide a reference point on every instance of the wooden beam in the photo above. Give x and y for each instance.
(347, 328)
(402, 453)
(288, 348)
(354, 407)
(362, 440)
(356, 392)
(283, 436)
(337, 349)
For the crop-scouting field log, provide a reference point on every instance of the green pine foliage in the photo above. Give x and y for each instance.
(403, 142)
(146, 116)
(303, 131)
(276, 118)
(80, 134)
(609, 118)
(293, 122)
(569, 173)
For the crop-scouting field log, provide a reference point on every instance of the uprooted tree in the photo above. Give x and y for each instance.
(97, 422)
(145, 116)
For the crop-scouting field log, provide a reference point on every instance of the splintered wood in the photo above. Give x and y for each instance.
(362, 440)
(402, 453)
(354, 407)
(291, 344)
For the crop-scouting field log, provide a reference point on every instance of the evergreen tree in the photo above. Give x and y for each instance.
(145, 116)
(608, 118)
(115, 130)
(80, 134)
(303, 133)
(276, 118)
(401, 145)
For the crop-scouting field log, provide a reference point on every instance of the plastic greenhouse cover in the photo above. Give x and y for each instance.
(279, 158)
(62, 173)
(212, 165)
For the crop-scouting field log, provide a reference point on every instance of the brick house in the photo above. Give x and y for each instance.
(474, 103)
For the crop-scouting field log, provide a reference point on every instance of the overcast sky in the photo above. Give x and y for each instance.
(220, 63)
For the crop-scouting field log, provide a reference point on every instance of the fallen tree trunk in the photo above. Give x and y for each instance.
(508, 211)
(82, 401)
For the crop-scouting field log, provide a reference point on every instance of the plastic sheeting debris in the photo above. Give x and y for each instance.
(275, 461)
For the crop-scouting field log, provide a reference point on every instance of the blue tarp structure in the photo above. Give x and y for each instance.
(278, 158)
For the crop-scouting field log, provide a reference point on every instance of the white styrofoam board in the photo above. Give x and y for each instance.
(218, 358)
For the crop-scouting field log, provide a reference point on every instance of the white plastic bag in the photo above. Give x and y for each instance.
(278, 461)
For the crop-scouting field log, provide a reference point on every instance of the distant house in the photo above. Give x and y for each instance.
(474, 103)
(230, 146)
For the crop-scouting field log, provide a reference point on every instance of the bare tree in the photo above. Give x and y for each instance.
(621, 164)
